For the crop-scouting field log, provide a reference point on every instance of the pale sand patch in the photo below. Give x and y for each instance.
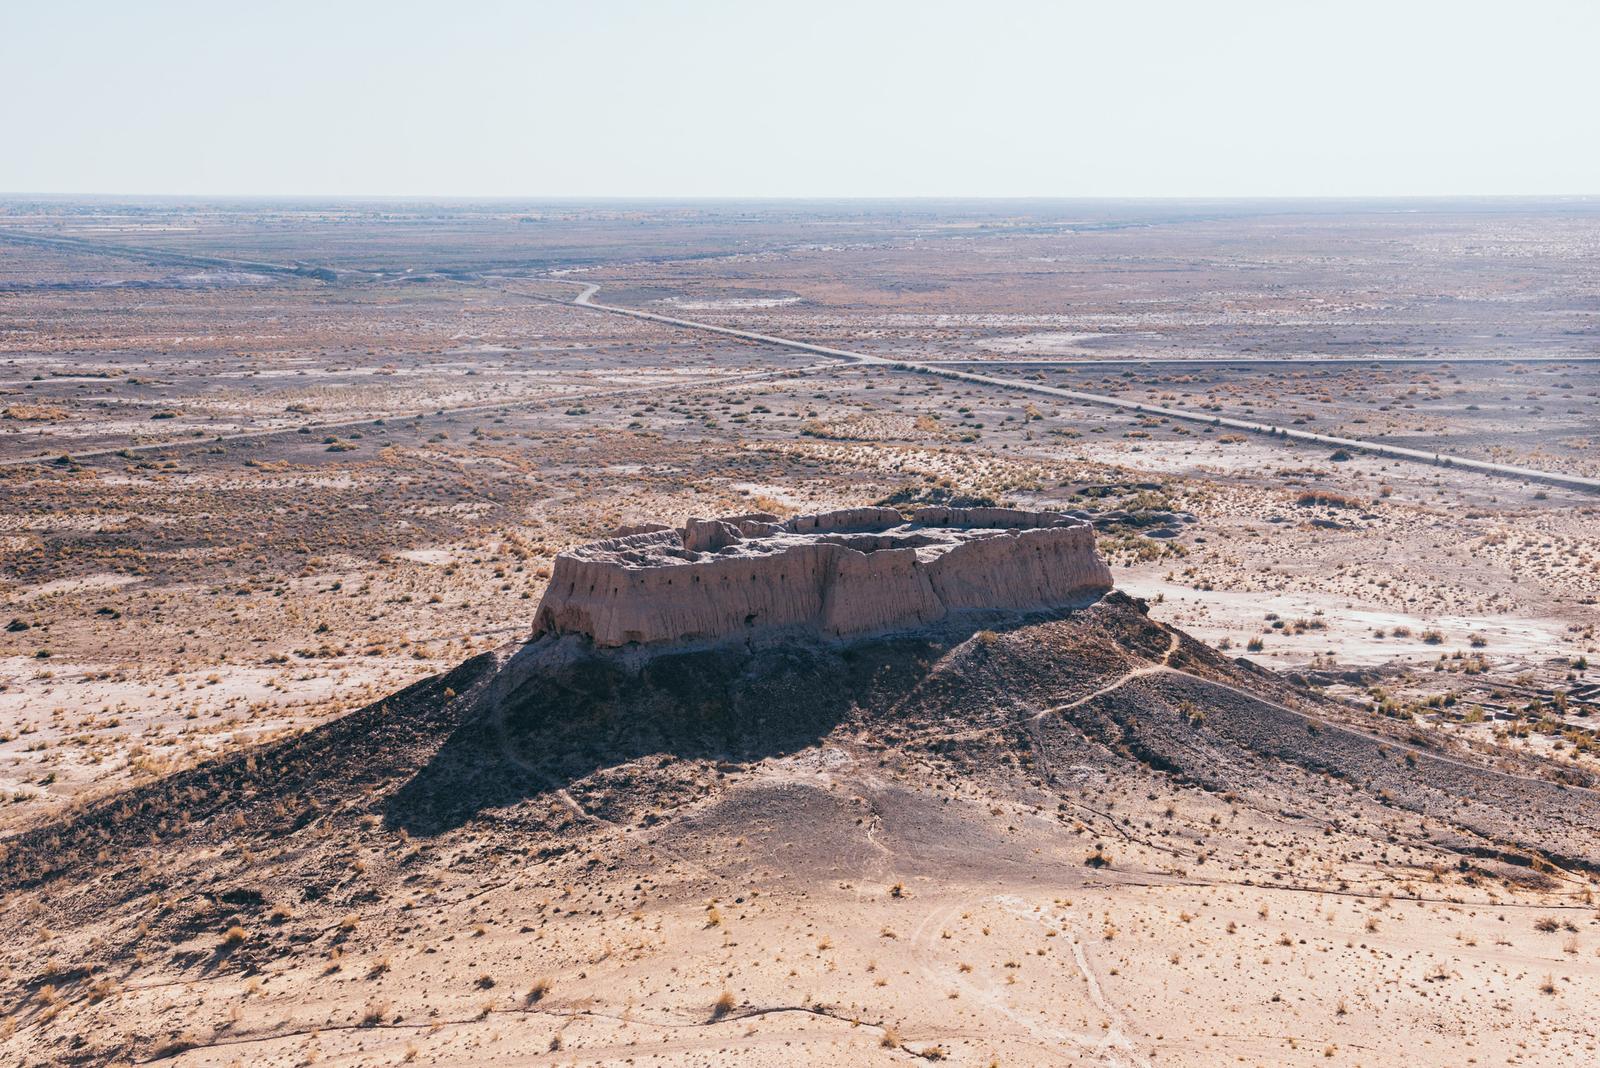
(1348, 632)
(104, 581)
(1052, 343)
(427, 556)
(730, 303)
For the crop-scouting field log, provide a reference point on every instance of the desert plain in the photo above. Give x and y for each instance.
(282, 484)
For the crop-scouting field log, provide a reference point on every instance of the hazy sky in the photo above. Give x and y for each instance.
(801, 98)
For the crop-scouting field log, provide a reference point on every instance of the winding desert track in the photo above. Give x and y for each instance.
(1173, 641)
(585, 299)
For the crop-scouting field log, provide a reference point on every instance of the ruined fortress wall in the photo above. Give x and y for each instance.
(615, 605)
(648, 588)
(883, 590)
(996, 518)
(845, 519)
(1031, 569)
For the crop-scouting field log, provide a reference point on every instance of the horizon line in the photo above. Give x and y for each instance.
(813, 198)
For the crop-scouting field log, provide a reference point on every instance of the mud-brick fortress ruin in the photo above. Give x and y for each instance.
(833, 574)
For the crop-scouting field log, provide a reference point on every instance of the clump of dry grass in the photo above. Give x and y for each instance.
(1314, 498)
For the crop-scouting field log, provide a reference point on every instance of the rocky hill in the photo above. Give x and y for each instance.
(549, 849)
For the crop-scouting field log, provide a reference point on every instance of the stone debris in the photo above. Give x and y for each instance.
(831, 574)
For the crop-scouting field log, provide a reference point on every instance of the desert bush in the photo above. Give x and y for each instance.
(1314, 498)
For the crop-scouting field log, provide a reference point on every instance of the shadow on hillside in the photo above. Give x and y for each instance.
(596, 712)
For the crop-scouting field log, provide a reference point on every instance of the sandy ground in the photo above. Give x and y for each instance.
(238, 506)
(1282, 944)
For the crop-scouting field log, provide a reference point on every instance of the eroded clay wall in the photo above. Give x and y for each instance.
(640, 594)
